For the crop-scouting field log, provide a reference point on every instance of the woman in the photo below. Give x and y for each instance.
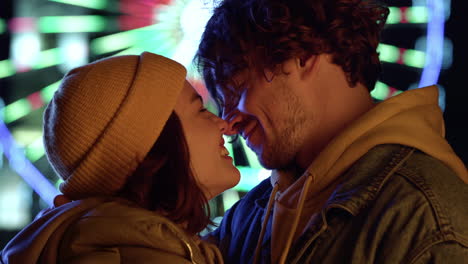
(140, 157)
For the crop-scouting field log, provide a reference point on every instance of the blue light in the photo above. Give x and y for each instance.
(435, 36)
(2, 106)
(25, 168)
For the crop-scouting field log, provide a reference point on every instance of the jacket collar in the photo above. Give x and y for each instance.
(362, 182)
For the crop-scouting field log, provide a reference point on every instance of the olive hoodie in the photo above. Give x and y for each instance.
(105, 230)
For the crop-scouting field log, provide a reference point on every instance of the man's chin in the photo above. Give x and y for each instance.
(273, 163)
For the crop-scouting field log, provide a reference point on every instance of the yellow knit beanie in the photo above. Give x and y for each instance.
(105, 117)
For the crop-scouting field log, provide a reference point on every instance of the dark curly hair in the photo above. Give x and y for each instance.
(260, 35)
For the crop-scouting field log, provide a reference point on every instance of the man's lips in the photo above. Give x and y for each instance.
(246, 133)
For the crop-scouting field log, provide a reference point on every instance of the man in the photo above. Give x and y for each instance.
(353, 181)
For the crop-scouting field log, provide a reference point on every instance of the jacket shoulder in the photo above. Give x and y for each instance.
(118, 229)
(444, 190)
(426, 202)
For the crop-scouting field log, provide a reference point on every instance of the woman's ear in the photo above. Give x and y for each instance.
(307, 66)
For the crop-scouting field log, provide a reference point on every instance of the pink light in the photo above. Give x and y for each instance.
(35, 100)
(22, 68)
(136, 8)
(392, 91)
(128, 22)
(139, 13)
(400, 56)
(404, 18)
(22, 24)
(200, 88)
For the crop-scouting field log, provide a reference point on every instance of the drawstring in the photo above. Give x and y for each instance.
(265, 222)
(299, 207)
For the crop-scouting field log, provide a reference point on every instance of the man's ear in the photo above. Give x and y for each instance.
(307, 66)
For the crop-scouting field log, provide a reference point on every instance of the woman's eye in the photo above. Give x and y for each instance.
(203, 109)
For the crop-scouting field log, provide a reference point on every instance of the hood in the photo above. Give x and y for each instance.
(412, 118)
(39, 241)
(100, 223)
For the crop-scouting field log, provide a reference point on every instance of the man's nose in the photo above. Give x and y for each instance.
(234, 121)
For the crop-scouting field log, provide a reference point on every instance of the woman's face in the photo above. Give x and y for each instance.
(210, 163)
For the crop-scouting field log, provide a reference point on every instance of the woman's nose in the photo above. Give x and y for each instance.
(221, 123)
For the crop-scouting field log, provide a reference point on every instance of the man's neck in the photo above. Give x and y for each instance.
(342, 112)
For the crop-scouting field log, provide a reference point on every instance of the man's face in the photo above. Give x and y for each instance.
(270, 116)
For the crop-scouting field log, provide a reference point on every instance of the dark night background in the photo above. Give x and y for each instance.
(453, 79)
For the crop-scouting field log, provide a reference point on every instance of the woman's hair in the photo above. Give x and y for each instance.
(164, 181)
(263, 34)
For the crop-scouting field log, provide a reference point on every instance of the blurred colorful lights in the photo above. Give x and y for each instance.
(95, 4)
(165, 37)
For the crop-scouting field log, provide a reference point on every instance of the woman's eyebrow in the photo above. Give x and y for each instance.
(195, 97)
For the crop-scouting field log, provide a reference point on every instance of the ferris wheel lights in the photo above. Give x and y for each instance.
(95, 4)
(403, 15)
(388, 53)
(47, 58)
(381, 91)
(6, 68)
(414, 58)
(2, 26)
(417, 14)
(64, 24)
(35, 150)
(16, 110)
(394, 17)
(48, 92)
(121, 40)
(25, 168)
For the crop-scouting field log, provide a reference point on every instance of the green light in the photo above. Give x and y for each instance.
(131, 51)
(230, 197)
(16, 110)
(58, 182)
(228, 146)
(249, 178)
(251, 156)
(96, 4)
(2, 26)
(6, 68)
(417, 14)
(397, 92)
(64, 24)
(48, 92)
(112, 43)
(394, 16)
(22, 107)
(414, 58)
(388, 53)
(381, 91)
(26, 136)
(48, 58)
(35, 150)
(123, 40)
(31, 140)
(166, 48)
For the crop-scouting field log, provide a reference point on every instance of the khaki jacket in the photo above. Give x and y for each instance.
(105, 230)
